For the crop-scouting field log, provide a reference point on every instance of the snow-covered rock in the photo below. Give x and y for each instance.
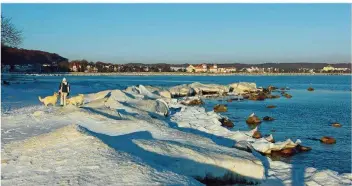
(165, 94)
(241, 87)
(181, 90)
(198, 89)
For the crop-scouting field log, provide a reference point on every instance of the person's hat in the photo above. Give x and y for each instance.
(64, 80)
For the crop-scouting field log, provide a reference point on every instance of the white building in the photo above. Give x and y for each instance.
(330, 68)
(177, 68)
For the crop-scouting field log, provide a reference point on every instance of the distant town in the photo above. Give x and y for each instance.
(34, 61)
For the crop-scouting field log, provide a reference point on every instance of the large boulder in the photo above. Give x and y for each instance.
(220, 108)
(204, 89)
(253, 119)
(181, 91)
(243, 87)
(192, 102)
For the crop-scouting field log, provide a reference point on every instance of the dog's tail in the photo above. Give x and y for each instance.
(40, 99)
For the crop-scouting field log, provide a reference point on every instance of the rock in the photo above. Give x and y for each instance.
(328, 140)
(206, 89)
(271, 88)
(245, 96)
(151, 88)
(181, 91)
(226, 123)
(265, 90)
(336, 125)
(287, 95)
(253, 119)
(220, 108)
(257, 135)
(310, 89)
(257, 97)
(287, 152)
(270, 96)
(261, 96)
(267, 118)
(270, 138)
(303, 148)
(199, 89)
(243, 87)
(271, 106)
(165, 94)
(192, 102)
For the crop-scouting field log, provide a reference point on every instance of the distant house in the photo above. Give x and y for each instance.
(191, 68)
(210, 68)
(116, 68)
(197, 68)
(75, 67)
(230, 69)
(177, 69)
(146, 69)
(328, 68)
(213, 68)
(252, 69)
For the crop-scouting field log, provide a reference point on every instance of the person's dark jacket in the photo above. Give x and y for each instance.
(65, 87)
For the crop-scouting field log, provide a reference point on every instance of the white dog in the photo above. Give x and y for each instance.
(49, 99)
(77, 100)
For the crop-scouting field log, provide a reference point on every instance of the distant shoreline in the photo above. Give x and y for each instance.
(177, 74)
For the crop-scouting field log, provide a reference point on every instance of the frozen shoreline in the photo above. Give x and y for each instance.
(130, 124)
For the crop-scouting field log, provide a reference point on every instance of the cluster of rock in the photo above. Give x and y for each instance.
(191, 95)
(242, 90)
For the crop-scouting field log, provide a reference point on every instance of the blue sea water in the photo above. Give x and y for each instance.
(305, 115)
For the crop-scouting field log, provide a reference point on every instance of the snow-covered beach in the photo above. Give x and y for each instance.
(141, 136)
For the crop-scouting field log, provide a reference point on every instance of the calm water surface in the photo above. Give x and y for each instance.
(305, 115)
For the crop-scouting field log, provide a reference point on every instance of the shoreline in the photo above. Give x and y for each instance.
(178, 74)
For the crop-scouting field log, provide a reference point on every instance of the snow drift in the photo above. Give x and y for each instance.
(139, 137)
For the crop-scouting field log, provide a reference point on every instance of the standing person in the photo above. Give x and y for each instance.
(64, 91)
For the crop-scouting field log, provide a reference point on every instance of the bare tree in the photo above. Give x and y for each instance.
(10, 35)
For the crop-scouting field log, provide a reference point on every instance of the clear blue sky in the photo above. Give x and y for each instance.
(187, 33)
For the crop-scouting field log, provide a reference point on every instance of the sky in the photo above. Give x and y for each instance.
(187, 33)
